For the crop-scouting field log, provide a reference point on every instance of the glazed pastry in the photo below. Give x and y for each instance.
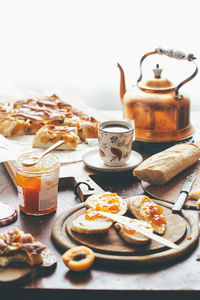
(50, 134)
(88, 129)
(28, 116)
(19, 247)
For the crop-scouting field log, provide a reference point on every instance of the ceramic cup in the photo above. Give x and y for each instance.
(115, 141)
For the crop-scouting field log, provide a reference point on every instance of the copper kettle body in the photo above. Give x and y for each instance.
(160, 112)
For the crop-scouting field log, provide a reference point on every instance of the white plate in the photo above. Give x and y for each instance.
(93, 161)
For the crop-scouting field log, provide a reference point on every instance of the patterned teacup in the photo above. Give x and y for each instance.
(115, 141)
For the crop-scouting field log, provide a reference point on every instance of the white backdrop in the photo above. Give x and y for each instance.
(74, 46)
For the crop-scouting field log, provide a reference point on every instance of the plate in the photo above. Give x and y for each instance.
(93, 161)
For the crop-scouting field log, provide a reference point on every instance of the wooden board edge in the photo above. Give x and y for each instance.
(10, 171)
(63, 241)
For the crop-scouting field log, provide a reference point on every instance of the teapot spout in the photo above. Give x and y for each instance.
(122, 83)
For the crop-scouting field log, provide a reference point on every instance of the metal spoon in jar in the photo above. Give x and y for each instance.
(34, 160)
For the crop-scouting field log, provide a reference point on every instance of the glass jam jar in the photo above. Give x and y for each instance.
(37, 185)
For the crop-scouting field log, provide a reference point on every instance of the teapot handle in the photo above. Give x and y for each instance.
(174, 54)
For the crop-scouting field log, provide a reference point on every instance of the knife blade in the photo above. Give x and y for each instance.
(126, 221)
(187, 185)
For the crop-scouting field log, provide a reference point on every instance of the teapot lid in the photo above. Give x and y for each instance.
(157, 83)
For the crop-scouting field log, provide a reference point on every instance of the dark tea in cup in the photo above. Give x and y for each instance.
(115, 141)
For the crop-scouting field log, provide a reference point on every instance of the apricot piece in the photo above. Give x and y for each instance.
(78, 258)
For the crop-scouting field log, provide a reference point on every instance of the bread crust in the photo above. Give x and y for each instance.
(162, 167)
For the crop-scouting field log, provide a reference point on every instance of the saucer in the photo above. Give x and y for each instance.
(93, 161)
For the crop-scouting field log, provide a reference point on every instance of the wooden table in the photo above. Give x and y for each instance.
(180, 279)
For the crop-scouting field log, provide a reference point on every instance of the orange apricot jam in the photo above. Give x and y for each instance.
(18, 127)
(37, 185)
(92, 214)
(111, 201)
(154, 212)
(128, 230)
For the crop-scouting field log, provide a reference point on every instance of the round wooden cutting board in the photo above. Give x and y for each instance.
(182, 230)
(170, 191)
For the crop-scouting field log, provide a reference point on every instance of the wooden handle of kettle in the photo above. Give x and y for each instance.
(175, 54)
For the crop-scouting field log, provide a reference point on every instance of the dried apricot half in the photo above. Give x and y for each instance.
(78, 258)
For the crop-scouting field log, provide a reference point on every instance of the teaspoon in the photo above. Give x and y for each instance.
(34, 160)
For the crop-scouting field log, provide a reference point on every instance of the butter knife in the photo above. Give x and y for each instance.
(126, 221)
(184, 193)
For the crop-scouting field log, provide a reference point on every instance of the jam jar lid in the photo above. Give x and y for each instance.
(8, 213)
(48, 164)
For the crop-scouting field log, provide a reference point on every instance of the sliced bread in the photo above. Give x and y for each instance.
(131, 236)
(143, 208)
(91, 223)
(107, 201)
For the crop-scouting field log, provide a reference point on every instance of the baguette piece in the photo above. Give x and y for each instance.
(163, 166)
(198, 204)
(107, 201)
(131, 236)
(91, 223)
(194, 194)
(143, 208)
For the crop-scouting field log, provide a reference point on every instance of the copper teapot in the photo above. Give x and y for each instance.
(160, 112)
